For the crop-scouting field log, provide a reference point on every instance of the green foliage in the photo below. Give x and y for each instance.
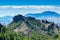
(38, 36)
(7, 34)
(14, 25)
(35, 22)
(59, 37)
(37, 30)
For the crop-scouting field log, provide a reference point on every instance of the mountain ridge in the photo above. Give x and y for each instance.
(32, 24)
(29, 28)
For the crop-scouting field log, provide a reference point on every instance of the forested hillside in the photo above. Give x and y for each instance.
(29, 28)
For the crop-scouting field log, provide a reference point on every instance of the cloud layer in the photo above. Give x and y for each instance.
(14, 10)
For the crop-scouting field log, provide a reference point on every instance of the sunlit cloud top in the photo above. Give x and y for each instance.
(14, 10)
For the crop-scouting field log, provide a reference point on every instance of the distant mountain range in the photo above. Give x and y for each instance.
(46, 15)
(5, 20)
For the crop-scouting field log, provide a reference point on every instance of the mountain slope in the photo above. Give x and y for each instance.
(28, 25)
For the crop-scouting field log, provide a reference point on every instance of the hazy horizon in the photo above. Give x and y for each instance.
(14, 10)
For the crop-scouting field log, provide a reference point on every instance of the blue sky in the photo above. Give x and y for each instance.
(29, 2)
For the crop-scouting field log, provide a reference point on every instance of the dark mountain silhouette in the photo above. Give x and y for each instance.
(1, 26)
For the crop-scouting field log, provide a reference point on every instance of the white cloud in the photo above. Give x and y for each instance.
(13, 10)
(4, 6)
